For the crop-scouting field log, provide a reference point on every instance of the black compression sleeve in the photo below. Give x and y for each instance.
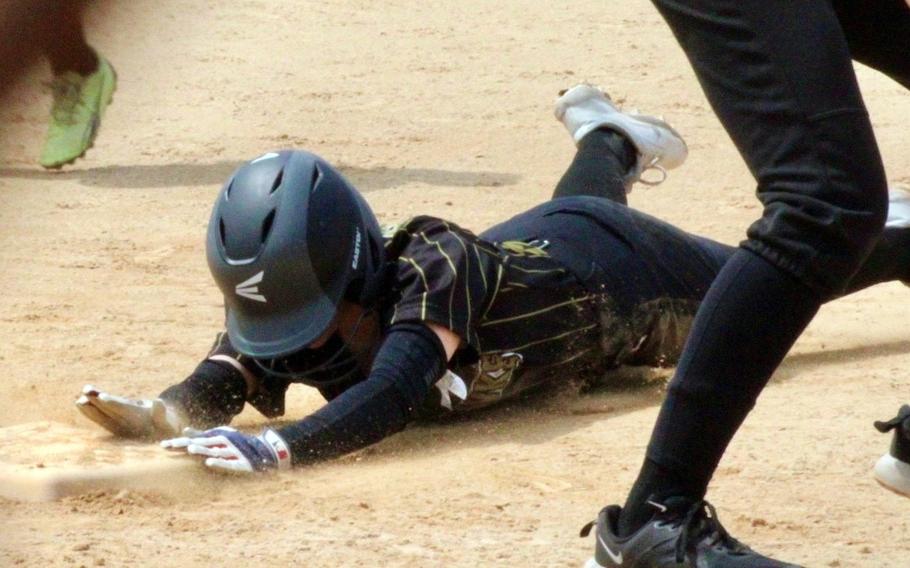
(211, 396)
(409, 362)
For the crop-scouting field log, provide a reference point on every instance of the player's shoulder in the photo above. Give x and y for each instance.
(423, 230)
(420, 223)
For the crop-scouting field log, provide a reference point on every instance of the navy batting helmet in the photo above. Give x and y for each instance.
(288, 239)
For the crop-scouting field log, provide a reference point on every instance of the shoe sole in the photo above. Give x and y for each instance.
(583, 92)
(892, 489)
(592, 92)
(95, 125)
(893, 475)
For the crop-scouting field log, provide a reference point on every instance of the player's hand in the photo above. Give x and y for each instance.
(129, 418)
(227, 450)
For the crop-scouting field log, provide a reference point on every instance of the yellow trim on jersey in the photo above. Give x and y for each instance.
(495, 291)
(467, 273)
(536, 270)
(538, 312)
(521, 248)
(454, 272)
(571, 358)
(483, 276)
(539, 341)
(423, 277)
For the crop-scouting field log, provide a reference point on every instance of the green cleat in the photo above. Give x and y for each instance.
(79, 104)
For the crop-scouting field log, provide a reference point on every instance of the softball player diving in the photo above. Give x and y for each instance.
(426, 317)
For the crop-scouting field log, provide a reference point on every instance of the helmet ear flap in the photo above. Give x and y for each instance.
(371, 288)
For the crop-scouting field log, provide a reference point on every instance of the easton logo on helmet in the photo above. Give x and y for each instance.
(249, 289)
(356, 260)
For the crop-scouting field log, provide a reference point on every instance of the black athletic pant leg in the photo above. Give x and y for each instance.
(779, 76)
(603, 159)
(65, 44)
(888, 261)
(878, 33)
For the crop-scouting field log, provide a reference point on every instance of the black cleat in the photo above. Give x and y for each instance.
(681, 534)
(893, 468)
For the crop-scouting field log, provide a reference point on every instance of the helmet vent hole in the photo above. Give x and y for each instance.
(227, 192)
(316, 175)
(221, 230)
(267, 225)
(277, 182)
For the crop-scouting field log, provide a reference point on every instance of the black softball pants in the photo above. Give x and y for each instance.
(779, 75)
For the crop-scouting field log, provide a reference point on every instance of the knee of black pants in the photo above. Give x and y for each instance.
(825, 202)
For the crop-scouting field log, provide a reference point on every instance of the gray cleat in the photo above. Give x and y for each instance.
(681, 534)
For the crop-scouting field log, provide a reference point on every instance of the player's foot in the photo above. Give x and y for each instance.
(893, 468)
(898, 211)
(898, 208)
(584, 108)
(79, 104)
(681, 534)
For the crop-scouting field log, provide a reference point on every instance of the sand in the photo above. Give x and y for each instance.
(438, 108)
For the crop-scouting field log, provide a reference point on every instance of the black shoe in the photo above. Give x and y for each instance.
(681, 534)
(893, 468)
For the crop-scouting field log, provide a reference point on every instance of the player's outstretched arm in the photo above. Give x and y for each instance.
(131, 418)
(214, 393)
(412, 358)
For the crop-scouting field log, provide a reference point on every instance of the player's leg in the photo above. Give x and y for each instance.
(878, 32)
(599, 168)
(614, 147)
(890, 259)
(893, 469)
(66, 47)
(779, 76)
(26, 30)
(681, 267)
(83, 86)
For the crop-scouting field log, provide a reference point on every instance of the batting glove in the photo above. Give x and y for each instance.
(227, 450)
(130, 418)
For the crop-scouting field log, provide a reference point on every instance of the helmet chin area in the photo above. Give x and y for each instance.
(330, 364)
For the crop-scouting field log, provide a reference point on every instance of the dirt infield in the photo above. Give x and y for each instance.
(444, 108)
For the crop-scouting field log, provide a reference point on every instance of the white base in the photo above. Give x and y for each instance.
(591, 563)
(893, 474)
(44, 461)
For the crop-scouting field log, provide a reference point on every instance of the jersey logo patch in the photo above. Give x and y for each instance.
(497, 370)
(249, 288)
